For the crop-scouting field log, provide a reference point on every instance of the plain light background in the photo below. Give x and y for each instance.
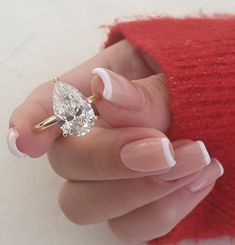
(38, 40)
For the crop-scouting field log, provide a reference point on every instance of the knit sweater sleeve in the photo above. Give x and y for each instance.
(198, 57)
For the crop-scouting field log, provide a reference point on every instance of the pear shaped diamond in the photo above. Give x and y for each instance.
(73, 112)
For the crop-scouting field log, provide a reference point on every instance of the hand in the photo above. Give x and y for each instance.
(125, 170)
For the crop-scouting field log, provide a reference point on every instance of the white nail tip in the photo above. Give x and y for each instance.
(167, 153)
(205, 153)
(11, 140)
(103, 74)
(220, 167)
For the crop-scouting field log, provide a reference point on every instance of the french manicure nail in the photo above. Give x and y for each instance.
(194, 151)
(208, 175)
(11, 141)
(206, 156)
(119, 90)
(190, 158)
(148, 155)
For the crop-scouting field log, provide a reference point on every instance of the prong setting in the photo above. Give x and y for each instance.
(56, 79)
(65, 134)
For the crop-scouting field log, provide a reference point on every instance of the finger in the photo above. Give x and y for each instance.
(142, 102)
(38, 105)
(112, 154)
(191, 157)
(160, 217)
(89, 202)
(119, 153)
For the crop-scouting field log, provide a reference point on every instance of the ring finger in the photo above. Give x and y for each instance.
(87, 202)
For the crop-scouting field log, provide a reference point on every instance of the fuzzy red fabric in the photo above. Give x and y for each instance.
(198, 57)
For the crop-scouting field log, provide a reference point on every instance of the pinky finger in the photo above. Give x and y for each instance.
(160, 217)
(157, 218)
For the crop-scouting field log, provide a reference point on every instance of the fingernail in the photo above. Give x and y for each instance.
(208, 175)
(190, 158)
(206, 156)
(147, 155)
(11, 141)
(119, 90)
(195, 151)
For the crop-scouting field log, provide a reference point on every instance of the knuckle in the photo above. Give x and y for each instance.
(158, 81)
(100, 152)
(93, 158)
(119, 232)
(52, 158)
(168, 221)
(157, 86)
(157, 98)
(163, 224)
(155, 82)
(39, 107)
(71, 210)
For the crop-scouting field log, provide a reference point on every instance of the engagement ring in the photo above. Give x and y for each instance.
(72, 110)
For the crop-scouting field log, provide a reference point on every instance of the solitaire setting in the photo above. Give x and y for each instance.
(72, 110)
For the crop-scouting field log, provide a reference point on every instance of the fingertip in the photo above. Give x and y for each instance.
(127, 102)
(24, 138)
(30, 143)
(12, 143)
(115, 111)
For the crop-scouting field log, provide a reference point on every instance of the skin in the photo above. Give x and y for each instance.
(138, 206)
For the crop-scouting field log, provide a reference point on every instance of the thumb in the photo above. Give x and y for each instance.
(142, 102)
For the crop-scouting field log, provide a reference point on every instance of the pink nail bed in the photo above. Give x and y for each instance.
(207, 176)
(190, 158)
(147, 155)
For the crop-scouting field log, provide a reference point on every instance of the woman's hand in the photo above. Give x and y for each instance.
(125, 171)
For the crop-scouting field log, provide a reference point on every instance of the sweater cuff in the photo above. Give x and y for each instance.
(197, 56)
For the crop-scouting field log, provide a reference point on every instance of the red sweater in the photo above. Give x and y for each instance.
(198, 57)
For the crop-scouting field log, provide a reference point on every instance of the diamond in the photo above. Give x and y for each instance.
(73, 112)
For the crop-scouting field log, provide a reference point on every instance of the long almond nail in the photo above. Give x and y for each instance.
(119, 90)
(208, 175)
(147, 155)
(11, 140)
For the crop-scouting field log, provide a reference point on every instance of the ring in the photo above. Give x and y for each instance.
(72, 110)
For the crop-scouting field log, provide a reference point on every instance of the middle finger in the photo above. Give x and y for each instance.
(122, 153)
(112, 153)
